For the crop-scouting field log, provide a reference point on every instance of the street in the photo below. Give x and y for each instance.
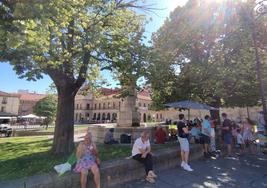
(244, 172)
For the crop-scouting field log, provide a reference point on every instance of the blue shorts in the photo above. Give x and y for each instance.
(227, 138)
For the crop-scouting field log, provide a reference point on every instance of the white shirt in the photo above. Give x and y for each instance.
(240, 139)
(139, 144)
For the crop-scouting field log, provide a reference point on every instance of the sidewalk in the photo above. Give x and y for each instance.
(244, 172)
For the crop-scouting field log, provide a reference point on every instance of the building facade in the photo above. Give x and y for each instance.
(91, 108)
(28, 101)
(9, 103)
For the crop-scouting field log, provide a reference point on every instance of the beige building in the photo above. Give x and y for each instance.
(28, 101)
(104, 108)
(9, 103)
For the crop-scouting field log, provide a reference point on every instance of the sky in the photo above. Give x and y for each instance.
(11, 83)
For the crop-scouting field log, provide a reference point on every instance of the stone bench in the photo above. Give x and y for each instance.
(113, 173)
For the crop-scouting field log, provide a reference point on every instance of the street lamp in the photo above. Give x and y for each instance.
(259, 10)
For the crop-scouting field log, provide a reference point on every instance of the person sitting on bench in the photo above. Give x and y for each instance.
(109, 139)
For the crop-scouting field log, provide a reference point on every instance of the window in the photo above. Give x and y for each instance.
(80, 106)
(104, 105)
(88, 107)
(108, 105)
(77, 106)
(144, 104)
(4, 101)
(99, 106)
(3, 109)
(114, 106)
(95, 106)
(140, 104)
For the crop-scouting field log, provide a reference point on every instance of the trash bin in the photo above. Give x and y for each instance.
(125, 138)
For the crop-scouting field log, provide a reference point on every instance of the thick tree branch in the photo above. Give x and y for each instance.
(83, 70)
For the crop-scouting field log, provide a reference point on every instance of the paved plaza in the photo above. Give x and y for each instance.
(244, 172)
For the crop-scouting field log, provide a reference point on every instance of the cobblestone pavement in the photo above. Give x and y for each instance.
(244, 172)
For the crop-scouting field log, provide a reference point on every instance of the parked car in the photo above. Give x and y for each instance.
(5, 129)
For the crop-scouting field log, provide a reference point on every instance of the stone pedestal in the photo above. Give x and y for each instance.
(128, 114)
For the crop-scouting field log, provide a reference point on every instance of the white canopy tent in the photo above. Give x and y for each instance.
(30, 116)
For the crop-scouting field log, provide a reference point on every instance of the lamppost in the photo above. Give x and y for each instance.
(259, 10)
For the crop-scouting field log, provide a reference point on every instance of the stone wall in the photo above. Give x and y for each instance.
(98, 132)
(113, 173)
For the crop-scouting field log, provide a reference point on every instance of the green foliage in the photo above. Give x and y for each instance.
(130, 62)
(46, 107)
(212, 53)
(64, 38)
(69, 40)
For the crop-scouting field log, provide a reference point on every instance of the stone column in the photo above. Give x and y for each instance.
(128, 114)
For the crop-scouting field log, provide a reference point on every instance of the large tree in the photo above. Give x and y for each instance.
(213, 52)
(63, 39)
(128, 65)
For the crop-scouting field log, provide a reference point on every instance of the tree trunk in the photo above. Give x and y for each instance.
(215, 114)
(64, 129)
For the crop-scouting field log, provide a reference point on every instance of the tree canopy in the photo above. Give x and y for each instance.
(47, 108)
(210, 52)
(67, 40)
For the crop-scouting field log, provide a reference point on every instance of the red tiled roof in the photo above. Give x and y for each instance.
(107, 91)
(4, 94)
(144, 93)
(31, 96)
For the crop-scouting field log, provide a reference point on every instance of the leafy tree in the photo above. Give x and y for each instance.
(46, 107)
(64, 39)
(129, 64)
(161, 75)
(214, 55)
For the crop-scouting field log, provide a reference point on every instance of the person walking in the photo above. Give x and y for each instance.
(184, 144)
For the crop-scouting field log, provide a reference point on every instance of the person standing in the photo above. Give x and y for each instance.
(206, 134)
(184, 144)
(240, 142)
(248, 135)
(227, 133)
(212, 136)
(142, 153)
